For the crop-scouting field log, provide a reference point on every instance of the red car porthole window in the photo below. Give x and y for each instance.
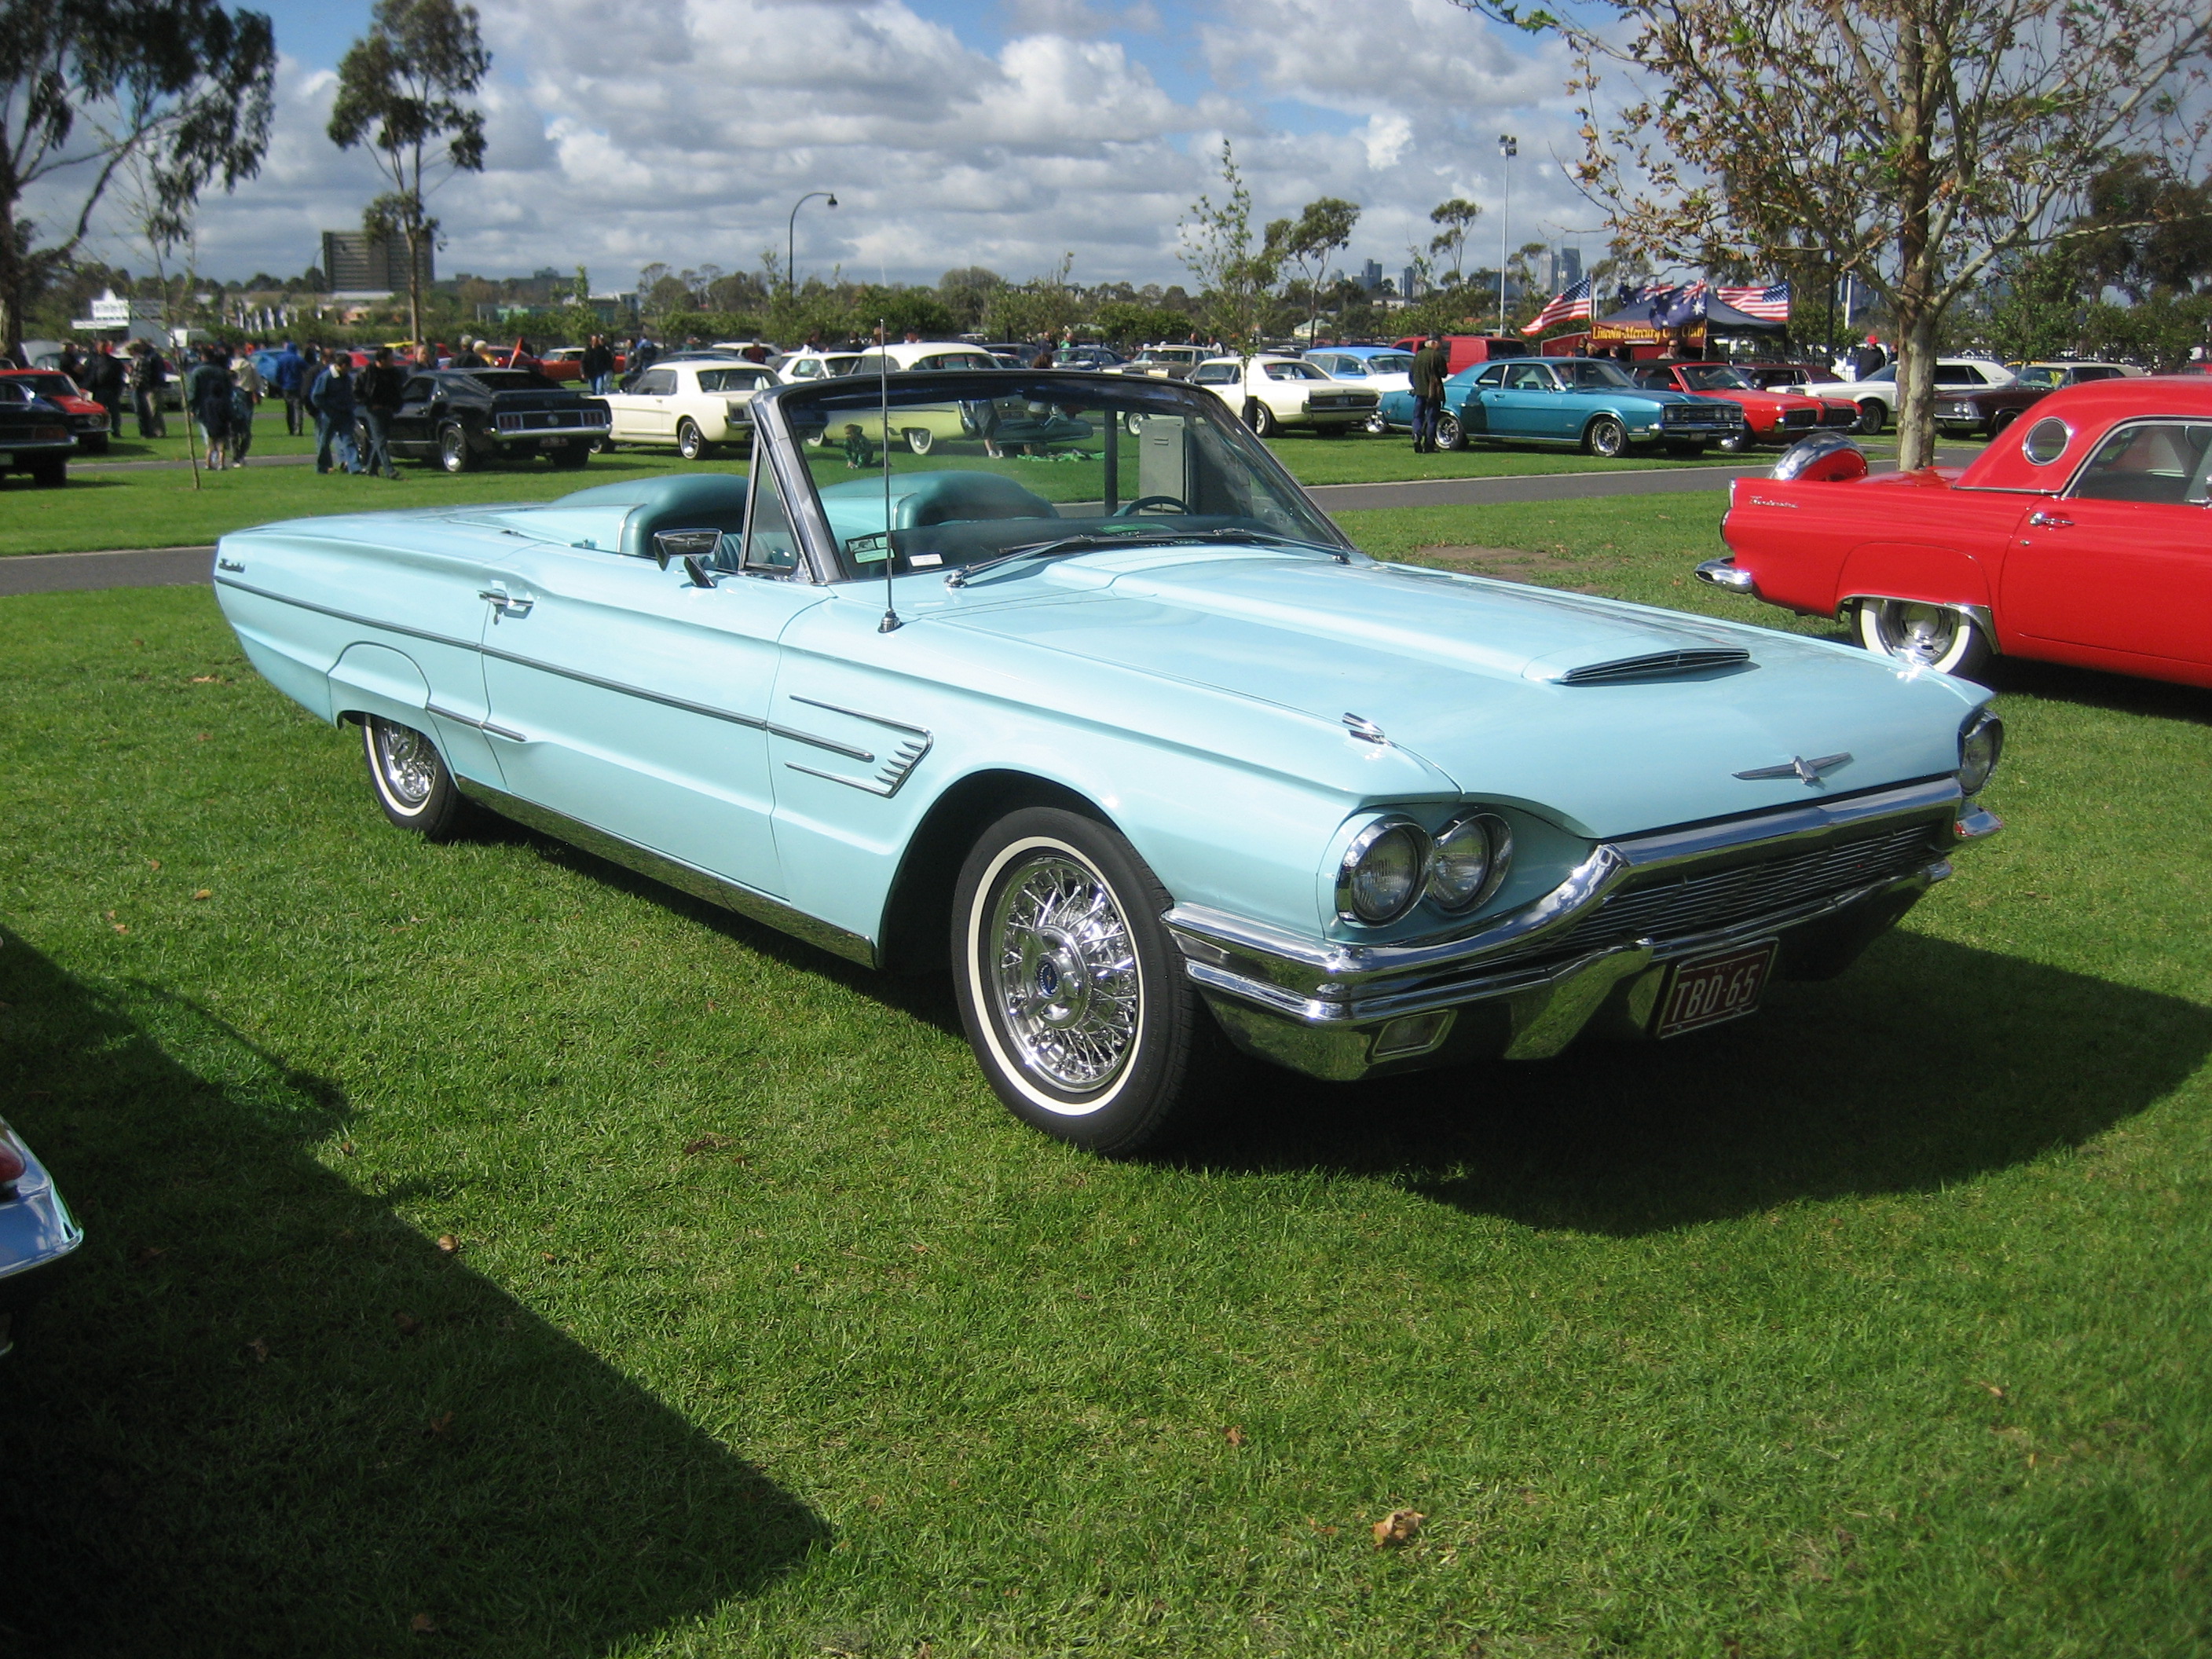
(2047, 441)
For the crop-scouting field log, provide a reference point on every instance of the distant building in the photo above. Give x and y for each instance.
(1564, 269)
(1410, 284)
(1371, 276)
(359, 266)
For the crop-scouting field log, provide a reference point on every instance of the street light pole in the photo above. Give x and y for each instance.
(791, 239)
(1509, 147)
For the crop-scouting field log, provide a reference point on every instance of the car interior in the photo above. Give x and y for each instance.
(2158, 462)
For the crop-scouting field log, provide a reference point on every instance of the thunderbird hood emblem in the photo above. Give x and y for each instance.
(1798, 766)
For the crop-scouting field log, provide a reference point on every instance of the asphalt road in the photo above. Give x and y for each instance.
(52, 572)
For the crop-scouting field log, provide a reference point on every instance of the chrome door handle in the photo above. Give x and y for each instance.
(507, 605)
(2049, 521)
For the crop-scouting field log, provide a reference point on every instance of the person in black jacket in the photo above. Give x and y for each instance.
(1431, 365)
(597, 364)
(104, 377)
(377, 390)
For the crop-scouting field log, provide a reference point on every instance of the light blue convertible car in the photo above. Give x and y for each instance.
(1583, 403)
(1131, 738)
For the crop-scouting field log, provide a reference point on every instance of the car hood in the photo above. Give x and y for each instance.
(1465, 673)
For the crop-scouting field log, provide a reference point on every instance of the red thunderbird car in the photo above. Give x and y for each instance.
(1768, 417)
(2082, 535)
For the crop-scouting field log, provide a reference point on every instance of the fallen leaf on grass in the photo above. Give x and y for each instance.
(448, 1245)
(258, 1349)
(1398, 1527)
(1234, 1436)
(146, 1255)
(709, 1142)
(1995, 1391)
(120, 927)
(423, 1624)
(153, 864)
(207, 679)
(548, 1255)
(439, 1424)
(407, 1323)
(204, 893)
(200, 737)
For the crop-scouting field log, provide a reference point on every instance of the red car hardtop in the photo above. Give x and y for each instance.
(2078, 536)
(1772, 415)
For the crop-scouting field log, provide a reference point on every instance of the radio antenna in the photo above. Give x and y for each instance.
(890, 622)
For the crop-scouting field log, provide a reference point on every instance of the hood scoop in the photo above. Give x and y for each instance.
(1652, 665)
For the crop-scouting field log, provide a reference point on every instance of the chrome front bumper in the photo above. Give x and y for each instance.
(1518, 987)
(1722, 574)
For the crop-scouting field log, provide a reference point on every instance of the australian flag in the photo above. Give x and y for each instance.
(1671, 307)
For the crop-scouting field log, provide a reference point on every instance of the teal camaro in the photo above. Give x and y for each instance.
(1585, 403)
(1124, 732)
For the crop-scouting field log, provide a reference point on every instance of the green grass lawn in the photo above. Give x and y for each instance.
(489, 1251)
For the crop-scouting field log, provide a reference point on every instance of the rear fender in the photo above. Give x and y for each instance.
(375, 679)
(1913, 570)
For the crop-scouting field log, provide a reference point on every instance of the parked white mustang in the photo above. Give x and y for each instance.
(690, 405)
(1271, 392)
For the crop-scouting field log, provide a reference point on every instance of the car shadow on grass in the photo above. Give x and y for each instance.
(1929, 1064)
(2092, 688)
(260, 1414)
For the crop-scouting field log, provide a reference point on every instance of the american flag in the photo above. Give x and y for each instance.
(1768, 304)
(1569, 304)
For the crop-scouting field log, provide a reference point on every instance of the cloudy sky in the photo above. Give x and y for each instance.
(1000, 133)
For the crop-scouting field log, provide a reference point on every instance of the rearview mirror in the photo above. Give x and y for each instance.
(683, 544)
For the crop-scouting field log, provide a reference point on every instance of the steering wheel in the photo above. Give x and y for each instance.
(1128, 507)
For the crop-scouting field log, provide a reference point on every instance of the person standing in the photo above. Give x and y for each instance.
(1431, 364)
(147, 375)
(380, 394)
(292, 375)
(329, 398)
(246, 387)
(206, 400)
(597, 364)
(104, 377)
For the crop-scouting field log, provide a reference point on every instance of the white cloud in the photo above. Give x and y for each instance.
(625, 131)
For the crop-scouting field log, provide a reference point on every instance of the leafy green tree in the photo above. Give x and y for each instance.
(86, 86)
(2145, 229)
(1233, 276)
(966, 292)
(400, 92)
(1457, 216)
(1914, 143)
(2039, 311)
(1133, 322)
(1320, 228)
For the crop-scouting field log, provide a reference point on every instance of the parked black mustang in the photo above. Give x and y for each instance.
(461, 418)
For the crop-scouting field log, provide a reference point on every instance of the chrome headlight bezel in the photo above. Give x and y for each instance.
(1361, 847)
(1981, 746)
(1496, 838)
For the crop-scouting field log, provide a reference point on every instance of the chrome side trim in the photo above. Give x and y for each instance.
(685, 877)
(485, 726)
(879, 720)
(347, 615)
(1980, 615)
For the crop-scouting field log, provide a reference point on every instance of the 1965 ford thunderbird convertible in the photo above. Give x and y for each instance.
(1134, 736)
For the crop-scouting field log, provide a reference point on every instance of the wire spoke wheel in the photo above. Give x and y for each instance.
(1064, 984)
(406, 762)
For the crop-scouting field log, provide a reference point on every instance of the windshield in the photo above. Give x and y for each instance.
(1390, 362)
(1717, 377)
(2037, 376)
(48, 386)
(1020, 466)
(1589, 372)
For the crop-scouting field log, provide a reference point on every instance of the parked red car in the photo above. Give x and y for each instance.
(2079, 536)
(86, 420)
(1769, 416)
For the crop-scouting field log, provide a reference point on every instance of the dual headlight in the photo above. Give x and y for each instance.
(1981, 741)
(1394, 863)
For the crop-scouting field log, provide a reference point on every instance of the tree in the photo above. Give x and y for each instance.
(1914, 143)
(2038, 312)
(400, 92)
(87, 85)
(1320, 230)
(2145, 229)
(1234, 276)
(1457, 216)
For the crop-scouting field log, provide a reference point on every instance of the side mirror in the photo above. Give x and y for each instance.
(688, 545)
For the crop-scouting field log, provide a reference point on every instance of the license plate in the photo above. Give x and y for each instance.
(551, 443)
(1706, 990)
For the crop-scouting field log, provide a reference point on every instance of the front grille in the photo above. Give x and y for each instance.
(1801, 416)
(1840, 417)
(1672, 907)
(1700, 414)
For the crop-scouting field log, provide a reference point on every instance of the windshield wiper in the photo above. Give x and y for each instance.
(1093, 541)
